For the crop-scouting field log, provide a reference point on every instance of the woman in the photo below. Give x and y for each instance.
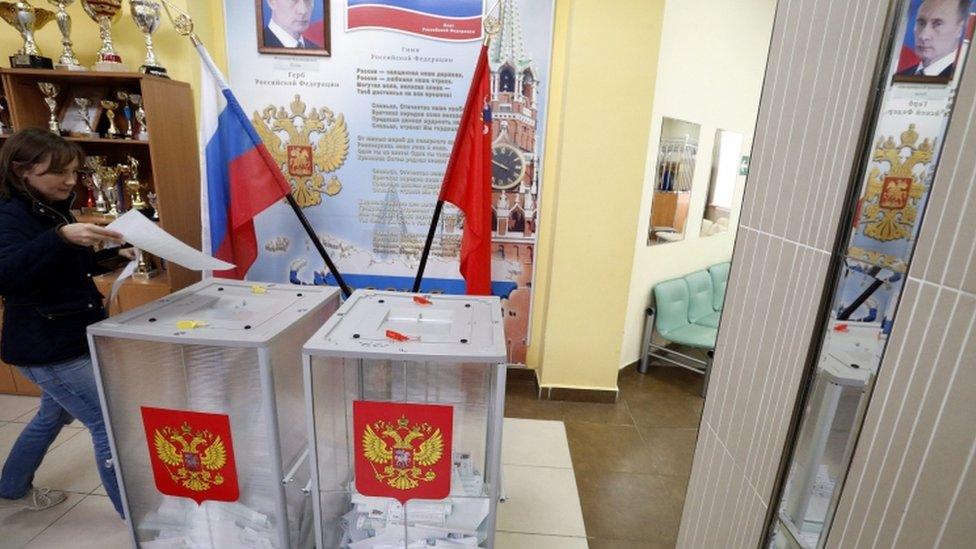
(46, 268)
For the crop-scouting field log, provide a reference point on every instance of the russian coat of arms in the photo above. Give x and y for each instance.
(191, 454)
(403, 451)
(308, 144)
(194, 458)
(890, 204)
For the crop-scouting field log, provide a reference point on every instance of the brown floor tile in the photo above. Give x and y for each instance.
(659, 379)
(628, 507)
(659, 409)
(522, 401)
(609, 414)
(632, 459)
(615, 448)
(597, 543)
(671, 449)
(678, 488)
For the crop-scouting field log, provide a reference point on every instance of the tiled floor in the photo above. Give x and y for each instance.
(577, 475)
(631, 459)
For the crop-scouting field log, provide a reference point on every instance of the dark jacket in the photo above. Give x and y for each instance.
(46, 283)
(271, 41)
(946, 72)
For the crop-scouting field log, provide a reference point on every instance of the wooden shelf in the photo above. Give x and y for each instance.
(97, 219)
(159, 281)
(89, 77)
(134, 291)
(96, 140)
(168, 159)
(169, 164)
(103, 141)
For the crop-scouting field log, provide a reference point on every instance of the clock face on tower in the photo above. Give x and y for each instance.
(507, 168)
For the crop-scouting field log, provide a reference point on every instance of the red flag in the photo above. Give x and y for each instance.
(403, 451)
(191, 453)
(467, 182)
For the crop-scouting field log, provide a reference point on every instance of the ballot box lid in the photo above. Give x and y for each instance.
(219, 312)
(419, 327)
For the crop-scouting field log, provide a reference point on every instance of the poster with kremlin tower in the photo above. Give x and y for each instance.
(377, 119)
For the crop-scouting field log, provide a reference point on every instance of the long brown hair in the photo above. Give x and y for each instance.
(29, 147)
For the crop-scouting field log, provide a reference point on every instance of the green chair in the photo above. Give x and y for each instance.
(686, 311)
(720, 279)
(701, 309)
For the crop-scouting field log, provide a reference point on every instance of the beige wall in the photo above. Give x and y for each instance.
(821, 62)
(595, 157)
(710, 72)
(912, 482)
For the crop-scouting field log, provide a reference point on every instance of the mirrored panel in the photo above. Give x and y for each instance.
(903, 154)
(675, 173)
(726, 162)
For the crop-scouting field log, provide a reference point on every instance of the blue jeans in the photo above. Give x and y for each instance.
(68, 392)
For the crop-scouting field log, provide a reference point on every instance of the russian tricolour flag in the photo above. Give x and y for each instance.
(242, 179)
(455, 20)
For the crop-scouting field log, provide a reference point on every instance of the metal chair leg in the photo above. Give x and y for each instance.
(645, 361)
(708, 371)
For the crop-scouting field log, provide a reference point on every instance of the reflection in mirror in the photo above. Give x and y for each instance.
(675, 174)
(726, 157)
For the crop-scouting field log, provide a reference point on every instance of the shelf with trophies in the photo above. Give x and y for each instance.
(136, 128)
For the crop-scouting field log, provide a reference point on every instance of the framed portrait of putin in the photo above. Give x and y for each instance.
(293, 27)
(934, 34)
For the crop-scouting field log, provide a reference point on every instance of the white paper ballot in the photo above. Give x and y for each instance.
(142, 233)
(126, 273)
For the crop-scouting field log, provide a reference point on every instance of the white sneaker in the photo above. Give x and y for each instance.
(36, 499)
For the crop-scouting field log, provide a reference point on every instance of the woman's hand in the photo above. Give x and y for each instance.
(87, 234)
(128, 253)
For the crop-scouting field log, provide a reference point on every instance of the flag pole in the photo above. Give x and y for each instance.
(492, 27)
(184, 26)
(427, 245)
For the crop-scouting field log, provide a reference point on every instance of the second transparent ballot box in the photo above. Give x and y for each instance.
(406, 395)
(204, 405)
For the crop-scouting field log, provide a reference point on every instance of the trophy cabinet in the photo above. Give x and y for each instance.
(167, 156)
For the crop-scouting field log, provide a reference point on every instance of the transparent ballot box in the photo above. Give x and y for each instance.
(405, 398)
(203, 401)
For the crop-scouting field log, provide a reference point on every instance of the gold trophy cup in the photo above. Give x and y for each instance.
(147, 15)
(67, 61)
(94, 165)
(132, 183)
(110, 106)
(140, 116)
(27, 19)
(51, 92)
(83, 105)
(105, 13)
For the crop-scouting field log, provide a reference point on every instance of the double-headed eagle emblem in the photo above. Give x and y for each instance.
(193, 459)
(317, 144)
(414, 450)
(894, 190)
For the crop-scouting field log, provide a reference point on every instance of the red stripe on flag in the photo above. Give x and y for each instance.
(255, 184)
(240, 247)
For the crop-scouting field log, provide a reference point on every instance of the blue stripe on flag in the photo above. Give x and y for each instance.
(228, 143)
(443, 8)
